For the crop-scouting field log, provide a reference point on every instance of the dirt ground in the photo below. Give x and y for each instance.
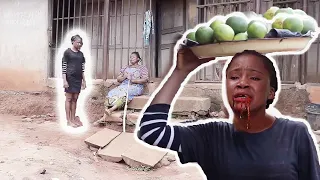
(31, 141)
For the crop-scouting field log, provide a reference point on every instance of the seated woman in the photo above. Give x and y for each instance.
(256, 146)
(132, 79)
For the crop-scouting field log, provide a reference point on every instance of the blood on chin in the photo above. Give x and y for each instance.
(241, 104)
(240, 107)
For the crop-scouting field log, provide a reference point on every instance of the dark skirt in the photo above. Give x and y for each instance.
(74, 85)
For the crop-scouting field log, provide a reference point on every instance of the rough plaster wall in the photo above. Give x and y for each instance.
(24, 44)
(285, 104)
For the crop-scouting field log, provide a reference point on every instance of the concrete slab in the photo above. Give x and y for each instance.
(113, 151)
(138, 155)
(183, 104)
(133, 117)
(150, 88)
(101, 138)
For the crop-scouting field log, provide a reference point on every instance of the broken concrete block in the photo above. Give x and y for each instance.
(102, 138)
(113, 151)
(171, 157)
(166, 160)
(163, 162)
(138, 155)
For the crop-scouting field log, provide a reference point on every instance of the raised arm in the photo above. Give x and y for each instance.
(153, 128)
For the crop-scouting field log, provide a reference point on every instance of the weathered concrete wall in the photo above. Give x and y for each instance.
(24, 44)
(292, 100)
(286, 104)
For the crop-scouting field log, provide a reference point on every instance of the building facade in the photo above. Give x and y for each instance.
(33, 30)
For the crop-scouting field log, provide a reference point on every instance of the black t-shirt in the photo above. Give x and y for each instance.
(74, 61)
(285, 151)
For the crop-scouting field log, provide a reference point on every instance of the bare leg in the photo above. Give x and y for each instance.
(107, 114)
(75, 119)
(109, 111)
(68, 103)
(74, 108)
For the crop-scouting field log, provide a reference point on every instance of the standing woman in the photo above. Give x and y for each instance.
(73, 65)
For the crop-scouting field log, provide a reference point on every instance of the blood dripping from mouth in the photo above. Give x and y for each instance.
(246, 105)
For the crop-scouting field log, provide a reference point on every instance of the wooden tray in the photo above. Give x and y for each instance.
(264, 46)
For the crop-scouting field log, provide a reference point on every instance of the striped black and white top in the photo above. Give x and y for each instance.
(74, 62)
(285, 151)
(154, 129)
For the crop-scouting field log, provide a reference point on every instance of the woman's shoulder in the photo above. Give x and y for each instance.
(293, 124)
(67, 50)
(219, 124)
(204, 129)
(142, 66)
(124, 67)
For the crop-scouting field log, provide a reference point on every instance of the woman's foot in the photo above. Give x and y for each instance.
(77, 121)
(72, 124)
(107, 112)
(129, 123)
(100, 121)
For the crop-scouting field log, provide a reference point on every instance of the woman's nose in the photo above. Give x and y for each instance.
(243, 83)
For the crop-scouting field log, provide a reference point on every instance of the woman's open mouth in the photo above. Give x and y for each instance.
(242, 102)
(242, 98)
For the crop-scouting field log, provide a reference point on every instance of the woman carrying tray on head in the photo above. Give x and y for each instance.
(255, 146)
(134, 75)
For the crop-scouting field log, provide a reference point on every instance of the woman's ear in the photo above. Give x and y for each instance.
(272, 93)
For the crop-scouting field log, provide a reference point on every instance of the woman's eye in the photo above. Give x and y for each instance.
(233, 77)
(255, 78)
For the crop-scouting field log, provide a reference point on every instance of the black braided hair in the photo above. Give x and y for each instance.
(268, 65)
